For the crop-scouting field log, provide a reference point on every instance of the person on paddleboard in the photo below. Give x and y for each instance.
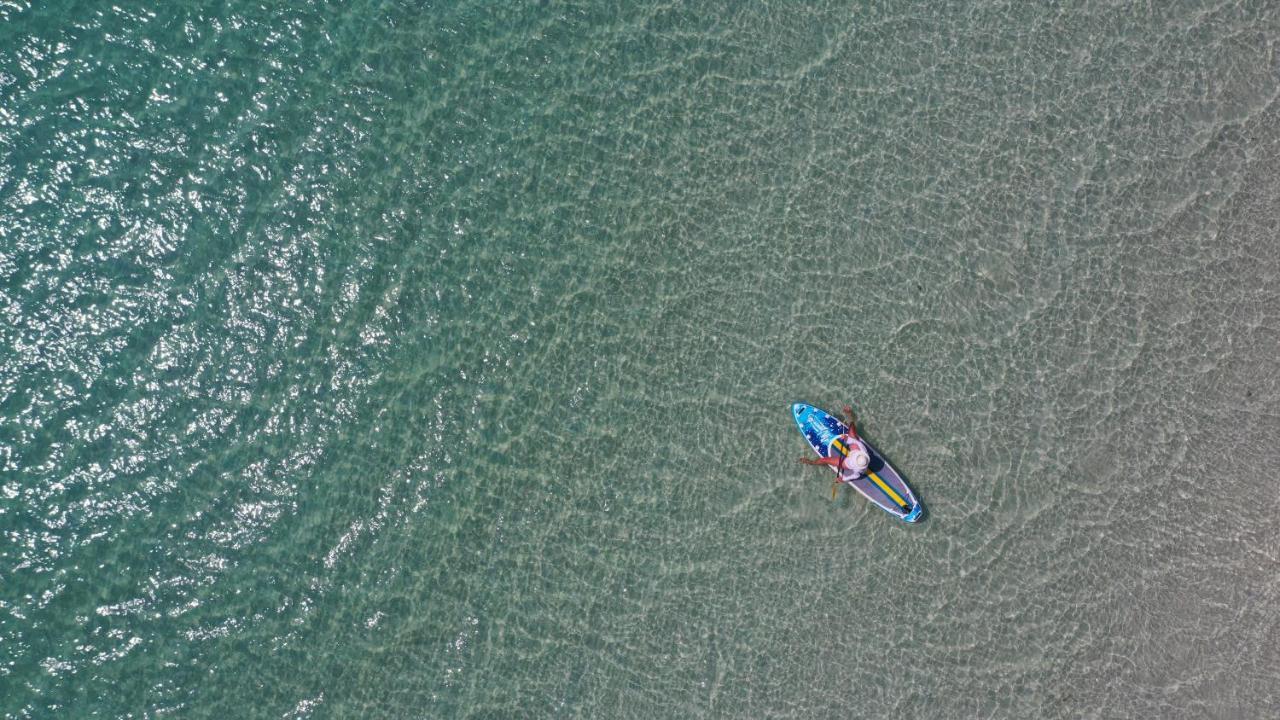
(853, 462)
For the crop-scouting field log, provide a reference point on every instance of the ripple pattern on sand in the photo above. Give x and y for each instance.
(408, 360)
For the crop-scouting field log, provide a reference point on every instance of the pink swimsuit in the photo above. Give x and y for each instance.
(847, 475)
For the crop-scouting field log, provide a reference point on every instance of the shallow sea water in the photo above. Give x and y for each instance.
(400, 359)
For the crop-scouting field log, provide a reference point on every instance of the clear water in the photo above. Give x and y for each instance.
(396, 359)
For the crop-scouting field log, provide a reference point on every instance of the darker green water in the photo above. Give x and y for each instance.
(408, 360)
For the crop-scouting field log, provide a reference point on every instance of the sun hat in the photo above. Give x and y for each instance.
(856, 461)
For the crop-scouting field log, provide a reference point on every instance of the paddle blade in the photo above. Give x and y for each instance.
(835, 485)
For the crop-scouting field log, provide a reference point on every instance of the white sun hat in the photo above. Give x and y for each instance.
(857, 461)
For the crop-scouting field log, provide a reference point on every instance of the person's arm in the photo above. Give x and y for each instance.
(829, 461)
(852, 429)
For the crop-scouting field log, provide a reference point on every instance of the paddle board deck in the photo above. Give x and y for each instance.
(881, 484)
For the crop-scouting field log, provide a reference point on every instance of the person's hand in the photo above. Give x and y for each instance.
(848, 410)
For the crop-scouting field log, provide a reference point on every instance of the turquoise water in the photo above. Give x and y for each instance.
(394, 359)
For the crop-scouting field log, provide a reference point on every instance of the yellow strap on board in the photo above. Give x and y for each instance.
(888, 491)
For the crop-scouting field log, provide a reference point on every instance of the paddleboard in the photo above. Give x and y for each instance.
(881, 484)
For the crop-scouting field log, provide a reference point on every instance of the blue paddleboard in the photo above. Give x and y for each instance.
(881, 484)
